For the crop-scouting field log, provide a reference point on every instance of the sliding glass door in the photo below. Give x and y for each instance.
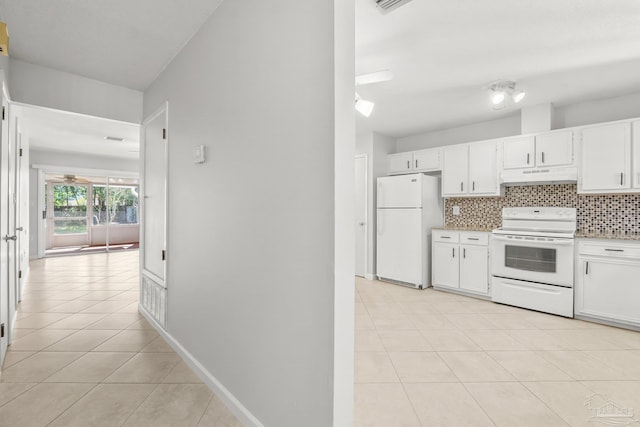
(99, 214)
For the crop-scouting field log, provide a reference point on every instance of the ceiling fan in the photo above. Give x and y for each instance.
(72, 179)
(363, 106)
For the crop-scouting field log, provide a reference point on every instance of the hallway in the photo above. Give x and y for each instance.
(83, 356)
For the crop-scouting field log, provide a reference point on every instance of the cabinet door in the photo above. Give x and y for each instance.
(554, 149)
(610, 289)
(399, 163)
(483, 171)
(605, 158)
(446, 265)
(455, 170)
(518, 152)
(474, 269)
(426, 160)
(636, 155)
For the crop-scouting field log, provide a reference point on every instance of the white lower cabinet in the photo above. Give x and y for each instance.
(461, 261)
(607, 282)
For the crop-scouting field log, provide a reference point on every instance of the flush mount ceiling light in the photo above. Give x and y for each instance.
(388, 5)
(363, 106)
(502, 90)
(114, 138)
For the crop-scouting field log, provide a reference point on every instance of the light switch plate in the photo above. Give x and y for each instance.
(456, 210)
(198, 154)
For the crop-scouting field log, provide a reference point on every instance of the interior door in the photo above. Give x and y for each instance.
(4, 212)
(361, 226)
(154, 191)
(12, 249)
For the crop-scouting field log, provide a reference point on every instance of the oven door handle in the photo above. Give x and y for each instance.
(554, 242)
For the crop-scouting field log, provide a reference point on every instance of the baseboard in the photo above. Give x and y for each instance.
(370, 276)
(234, 405)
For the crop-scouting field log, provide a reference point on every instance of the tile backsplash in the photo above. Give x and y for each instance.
(597, 214)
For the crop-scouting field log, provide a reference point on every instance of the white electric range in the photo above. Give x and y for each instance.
(533, 259)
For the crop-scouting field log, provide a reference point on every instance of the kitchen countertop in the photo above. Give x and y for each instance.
(477, 229)
(608, 235)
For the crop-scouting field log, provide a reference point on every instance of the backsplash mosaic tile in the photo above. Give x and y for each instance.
(597, 214)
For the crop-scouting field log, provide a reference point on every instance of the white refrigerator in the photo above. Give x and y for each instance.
(408, 207)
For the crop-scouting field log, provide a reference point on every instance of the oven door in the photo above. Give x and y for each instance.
(535, 259)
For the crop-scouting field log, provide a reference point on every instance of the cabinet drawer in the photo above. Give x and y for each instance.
(446, 236)
(474, 238)
(618, 250)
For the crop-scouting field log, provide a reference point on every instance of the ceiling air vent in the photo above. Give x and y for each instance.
(389, 5)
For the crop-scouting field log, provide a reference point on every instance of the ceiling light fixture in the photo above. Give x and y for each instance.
(364, 107)
(500, 89)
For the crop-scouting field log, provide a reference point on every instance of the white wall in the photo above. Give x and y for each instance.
(260, 240)
(578, 114)
(376, 146)
(602, 110)
(71, 162)
(47, 87)
(475, 132)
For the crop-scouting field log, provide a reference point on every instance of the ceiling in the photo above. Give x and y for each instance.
(443, 53)
(55, 130)
(122, 42)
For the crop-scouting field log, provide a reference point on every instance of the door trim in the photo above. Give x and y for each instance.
(367, 249)
(162, 109)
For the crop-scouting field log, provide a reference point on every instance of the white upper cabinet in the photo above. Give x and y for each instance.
(518, 152)
(427, 160)
(470, 170)
(483, 172)
(455, 170)
(543, 150)
(554, 149)
(605, 160)
(636, 154)
(414, 161)
(399, 163)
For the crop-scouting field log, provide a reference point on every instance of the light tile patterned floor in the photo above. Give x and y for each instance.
(83, 356)
(430, 358)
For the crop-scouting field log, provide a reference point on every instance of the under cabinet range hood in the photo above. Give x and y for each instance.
(539, 176)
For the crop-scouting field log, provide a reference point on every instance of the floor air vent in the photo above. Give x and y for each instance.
(388, 5)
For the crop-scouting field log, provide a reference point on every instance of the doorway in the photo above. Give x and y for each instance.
(85, 214)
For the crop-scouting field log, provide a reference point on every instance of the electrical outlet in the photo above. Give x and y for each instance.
(456, 210)
(198, 154)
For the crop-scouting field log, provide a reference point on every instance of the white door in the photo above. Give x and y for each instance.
(483, 172)
(606, 157)
(446, 265)
(518, 152)
(22, 215)
(474, 265)
(399, 254)
(403, 191)
(155, 196)
(12, 249)
(361, 215)
(455, 170)
(4, 213)
(554, 149)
